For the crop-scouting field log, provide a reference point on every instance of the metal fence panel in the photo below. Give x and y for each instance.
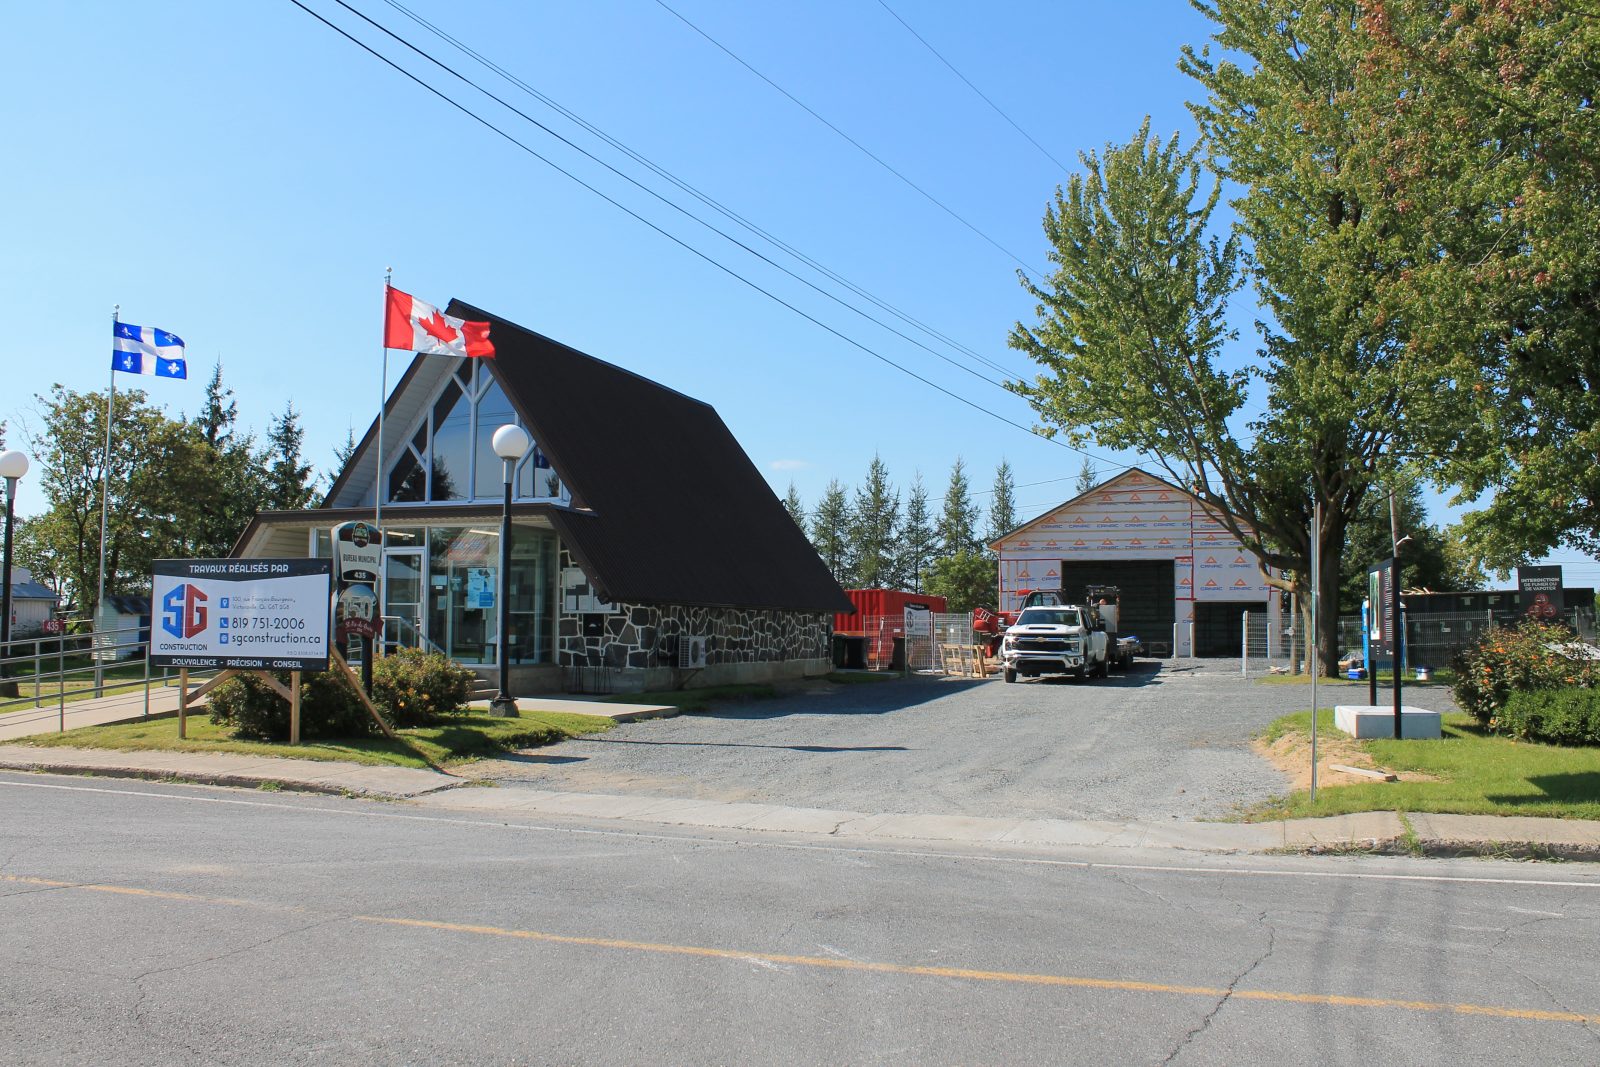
(1265, 641)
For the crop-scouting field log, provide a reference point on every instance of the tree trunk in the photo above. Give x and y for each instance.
(1328, 605)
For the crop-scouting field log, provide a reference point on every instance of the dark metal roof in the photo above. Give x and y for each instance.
(31, 590)
(673, 511)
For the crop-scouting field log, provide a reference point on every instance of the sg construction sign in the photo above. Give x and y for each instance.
(244, 614)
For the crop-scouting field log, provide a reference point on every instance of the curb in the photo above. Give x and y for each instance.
(1532, 851)
(232, 781)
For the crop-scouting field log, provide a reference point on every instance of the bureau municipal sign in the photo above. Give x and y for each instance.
(244, 614)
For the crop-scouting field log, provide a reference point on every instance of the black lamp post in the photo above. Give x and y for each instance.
(510, 443)
(13, 465)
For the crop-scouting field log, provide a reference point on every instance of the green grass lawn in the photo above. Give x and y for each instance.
(692, 700)
(457, 739)
(1478, 774)
(1442, 678)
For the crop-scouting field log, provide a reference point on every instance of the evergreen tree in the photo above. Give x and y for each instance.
(219, 412)
(958, 523)
(289, 484)
(830, 531)
(341, 456)
(796, 509)
(1003, 505)
(1088, 476)
(918, 541)
(232, 484)
(875, 529)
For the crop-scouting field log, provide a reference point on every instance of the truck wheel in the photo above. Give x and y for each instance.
(1010, 675)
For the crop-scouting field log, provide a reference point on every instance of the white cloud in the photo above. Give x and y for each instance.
(788, 465)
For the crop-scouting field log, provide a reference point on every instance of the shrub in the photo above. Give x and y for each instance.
(413, 687)
(328, 708)
(1568, 716)
(1514, 660)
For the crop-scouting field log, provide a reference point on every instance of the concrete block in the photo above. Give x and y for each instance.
(1376, 720)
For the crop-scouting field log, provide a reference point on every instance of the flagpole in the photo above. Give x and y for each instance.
(105, 471)
(383, 399)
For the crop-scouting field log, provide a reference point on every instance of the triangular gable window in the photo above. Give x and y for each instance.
(451, 458)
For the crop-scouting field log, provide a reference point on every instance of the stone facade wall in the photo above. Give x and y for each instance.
(645, 636)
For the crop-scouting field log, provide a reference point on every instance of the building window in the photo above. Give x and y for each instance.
(451, 456)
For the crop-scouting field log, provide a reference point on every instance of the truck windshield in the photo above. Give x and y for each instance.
(1049, 617)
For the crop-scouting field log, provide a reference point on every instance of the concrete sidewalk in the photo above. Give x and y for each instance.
(1365, 832)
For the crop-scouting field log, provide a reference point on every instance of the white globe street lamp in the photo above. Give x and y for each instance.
(510, 443)
(13, 465)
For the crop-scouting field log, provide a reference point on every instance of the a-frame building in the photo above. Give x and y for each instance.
(646, 543)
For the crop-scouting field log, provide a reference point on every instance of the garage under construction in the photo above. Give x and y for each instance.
(1186, 581)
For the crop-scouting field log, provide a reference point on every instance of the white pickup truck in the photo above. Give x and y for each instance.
(1061, 639)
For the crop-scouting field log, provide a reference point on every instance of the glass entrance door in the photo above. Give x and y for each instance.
(405, 623)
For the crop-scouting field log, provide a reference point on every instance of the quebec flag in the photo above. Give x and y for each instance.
(145, 350)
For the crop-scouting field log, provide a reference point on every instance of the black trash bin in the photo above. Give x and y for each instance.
(850, 652)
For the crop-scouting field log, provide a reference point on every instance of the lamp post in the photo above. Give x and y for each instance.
(510, 443)
(13, 465)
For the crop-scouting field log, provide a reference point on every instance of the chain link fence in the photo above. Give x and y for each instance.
(1432, 640)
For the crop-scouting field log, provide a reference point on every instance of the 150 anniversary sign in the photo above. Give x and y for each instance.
(247, 614)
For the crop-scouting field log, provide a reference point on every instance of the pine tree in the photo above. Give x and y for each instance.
(1003, 505)
(918, 542)
(796, 509)
(233, 479)
(958, 524)
(341, 456)
(220, 412)
(289, 484)
(1088, 476)
(875, 529)
(830, 531)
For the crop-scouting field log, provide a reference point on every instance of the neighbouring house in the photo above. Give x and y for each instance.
(1186, 582)
(648, 551)
(32, 604)
(121, 627)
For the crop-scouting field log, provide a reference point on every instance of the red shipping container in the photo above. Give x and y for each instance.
(884, 603)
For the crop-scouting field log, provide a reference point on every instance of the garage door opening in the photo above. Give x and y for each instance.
(1148, 610)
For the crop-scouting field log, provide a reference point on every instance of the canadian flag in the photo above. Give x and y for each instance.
(410, 324)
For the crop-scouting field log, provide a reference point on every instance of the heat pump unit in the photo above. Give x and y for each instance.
(692, 651)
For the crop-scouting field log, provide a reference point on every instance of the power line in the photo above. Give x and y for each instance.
(644, 188)
(457, 105)
(662, 172)
(968, 82)
(863, 149)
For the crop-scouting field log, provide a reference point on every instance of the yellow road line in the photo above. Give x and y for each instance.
(1071, 981)
(832, 963)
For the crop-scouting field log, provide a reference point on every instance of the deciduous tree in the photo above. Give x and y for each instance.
(1132, 324)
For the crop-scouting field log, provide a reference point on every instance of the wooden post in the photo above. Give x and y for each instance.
(355, 683)
(183, 702)
(294, 707)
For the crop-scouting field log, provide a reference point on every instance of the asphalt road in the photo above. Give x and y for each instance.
(149, 923)
(1162, 742)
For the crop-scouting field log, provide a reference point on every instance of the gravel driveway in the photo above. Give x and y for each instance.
(1168, 740)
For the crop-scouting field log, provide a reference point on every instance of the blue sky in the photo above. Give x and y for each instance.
(240, 175)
